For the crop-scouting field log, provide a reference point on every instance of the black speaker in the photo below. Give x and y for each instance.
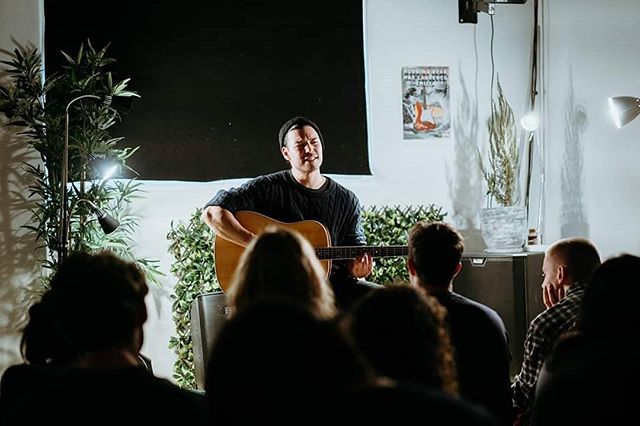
(208, 313)
(510, 284)
(467, 12)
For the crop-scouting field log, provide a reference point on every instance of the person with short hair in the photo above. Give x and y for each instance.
(567, 266)
(478, 333)
(591, 376)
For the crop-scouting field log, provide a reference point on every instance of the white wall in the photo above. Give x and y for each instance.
(20, 20)
(592, 54)
(441, 171)
(418, 32)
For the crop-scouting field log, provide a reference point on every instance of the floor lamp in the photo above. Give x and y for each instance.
(530, 123)
(107, 223)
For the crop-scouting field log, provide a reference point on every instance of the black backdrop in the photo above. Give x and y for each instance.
(217, 79)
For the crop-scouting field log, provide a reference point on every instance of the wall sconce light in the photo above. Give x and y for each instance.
(624, 109)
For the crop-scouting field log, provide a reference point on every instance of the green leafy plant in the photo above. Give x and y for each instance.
(501, 172)
(37, 107)
(191, 247)
(390, 225)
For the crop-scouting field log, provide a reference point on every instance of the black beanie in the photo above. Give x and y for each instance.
(297, 122)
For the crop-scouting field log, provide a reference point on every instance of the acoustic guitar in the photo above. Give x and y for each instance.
(227, 254)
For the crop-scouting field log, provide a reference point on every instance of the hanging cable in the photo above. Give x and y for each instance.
(534, 55)
(493, 65)
(530, 120)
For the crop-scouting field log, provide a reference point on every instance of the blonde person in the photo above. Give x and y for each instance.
(281, 264)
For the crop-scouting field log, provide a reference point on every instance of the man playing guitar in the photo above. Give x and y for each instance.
(300, 193)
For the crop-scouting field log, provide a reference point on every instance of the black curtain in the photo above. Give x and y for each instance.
(217, 79)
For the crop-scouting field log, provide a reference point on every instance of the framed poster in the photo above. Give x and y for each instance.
(425, 102)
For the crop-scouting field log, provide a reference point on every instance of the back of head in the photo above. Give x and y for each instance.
(578, 255)
(402, 332)
(42, 342)
(281, 264)
(98, 301)
(402, 403)
(435, 250)
(273, 356)
(610, 299)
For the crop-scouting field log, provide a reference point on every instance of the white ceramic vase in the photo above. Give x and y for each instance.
(504, 229)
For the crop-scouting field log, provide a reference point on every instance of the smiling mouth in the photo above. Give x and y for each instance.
(311, 158)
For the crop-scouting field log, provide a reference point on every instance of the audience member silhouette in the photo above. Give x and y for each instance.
(593, 375)
(97, 304)
(42, 343)
(402, 403)
(46, 355)
(566, 267)
(273, 362)
(477, 332)
(402, 333)
(281, 264)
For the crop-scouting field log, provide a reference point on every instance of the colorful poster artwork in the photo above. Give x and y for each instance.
(425, 102)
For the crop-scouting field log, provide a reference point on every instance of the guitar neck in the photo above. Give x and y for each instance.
(350, 252)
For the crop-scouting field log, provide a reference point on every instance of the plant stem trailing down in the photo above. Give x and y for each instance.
(37, 107)
(501, 173)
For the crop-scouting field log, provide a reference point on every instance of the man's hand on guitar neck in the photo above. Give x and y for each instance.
(361, 266)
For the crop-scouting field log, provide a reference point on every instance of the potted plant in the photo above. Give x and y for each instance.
(504, 228)
(37, 108)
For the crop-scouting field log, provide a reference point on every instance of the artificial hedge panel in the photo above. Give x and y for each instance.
(192, 248)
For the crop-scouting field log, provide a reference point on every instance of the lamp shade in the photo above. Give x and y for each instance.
(624, 109)
(107, 222)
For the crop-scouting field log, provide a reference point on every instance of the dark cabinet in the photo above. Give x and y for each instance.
(510, 284)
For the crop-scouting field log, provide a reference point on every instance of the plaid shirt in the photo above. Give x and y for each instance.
(541, 336)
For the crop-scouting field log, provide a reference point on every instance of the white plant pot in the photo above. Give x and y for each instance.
(504, 229)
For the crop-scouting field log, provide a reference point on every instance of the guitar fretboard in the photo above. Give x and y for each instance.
(349, 252)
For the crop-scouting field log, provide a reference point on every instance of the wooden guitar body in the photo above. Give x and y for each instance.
(227, 254)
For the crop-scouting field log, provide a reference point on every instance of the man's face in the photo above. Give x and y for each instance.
(303, 149)
(550, 271)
